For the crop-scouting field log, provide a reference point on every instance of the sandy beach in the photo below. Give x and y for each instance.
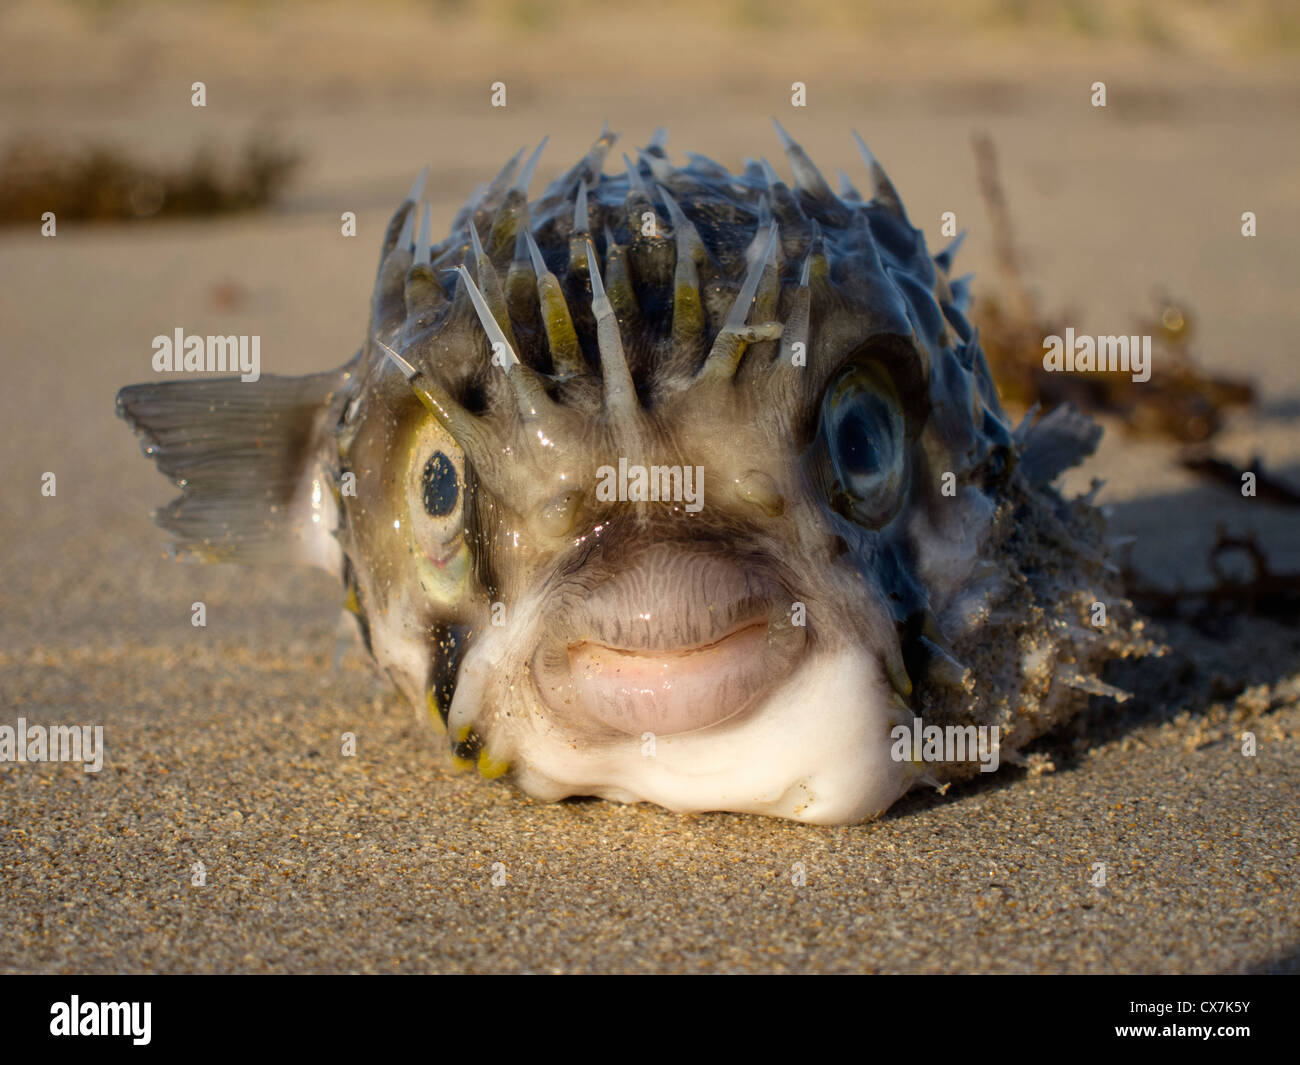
(222, 744)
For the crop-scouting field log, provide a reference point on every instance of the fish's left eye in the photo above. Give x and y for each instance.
(435, 489)
(865, 442)
(441, 486)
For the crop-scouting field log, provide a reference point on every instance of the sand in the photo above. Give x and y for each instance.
(224, 742)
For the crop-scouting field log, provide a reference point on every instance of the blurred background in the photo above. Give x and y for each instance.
(1116, 220)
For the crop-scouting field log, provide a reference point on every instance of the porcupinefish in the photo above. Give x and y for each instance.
(681, 485)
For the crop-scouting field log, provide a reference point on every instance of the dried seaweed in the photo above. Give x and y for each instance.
(1180, 401)
(1263, 593)
(1267, 487)
(105, 183)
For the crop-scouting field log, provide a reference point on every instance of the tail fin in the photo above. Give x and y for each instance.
(253, 460)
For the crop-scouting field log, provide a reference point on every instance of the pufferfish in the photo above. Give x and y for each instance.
(681, 485)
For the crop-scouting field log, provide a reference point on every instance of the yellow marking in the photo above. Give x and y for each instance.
(352, 603)
(435, 715)
(489, 767)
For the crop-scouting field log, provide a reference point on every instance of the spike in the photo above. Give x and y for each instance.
(521, 284)
(688, 309)
(787, 141)
(660, 167)
(942, 667)
(530, 393)
(490, 325)
(535, 253)
(620, 392)
(422, 247)
(476, 246)
(896, 671)
(621, 293)
(658, 139)
(740, 309)
(688, 238)
(708, 168)
(944, 259)
(486, 199)
(797, 320)
(417, 186)
(594, 161)
(473, 435)
(734, 337)
(863, 150)
(566, 353)
(636, 206)
(960, 289)
(784, 205)
(847, 191)
(509, 220)
(764, 213)
(422, 298)
(580, 223)
(387, 303)
(408, 371)
(882, 189)
(405, 238)
(588, 170)
(807, 178)
(1092, 685)
(501, 183)
(768, 294)
(530, 168)
(635, 181)
(490, 288)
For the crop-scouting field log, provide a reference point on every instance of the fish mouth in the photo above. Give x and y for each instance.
(673, 642)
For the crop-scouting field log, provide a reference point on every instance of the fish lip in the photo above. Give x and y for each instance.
(663, 596)
(673, 691)
(676, 652)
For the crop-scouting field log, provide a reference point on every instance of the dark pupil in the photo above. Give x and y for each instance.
(858, 454)
(440, 485)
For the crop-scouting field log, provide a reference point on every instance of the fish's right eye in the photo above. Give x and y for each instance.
(863, 427)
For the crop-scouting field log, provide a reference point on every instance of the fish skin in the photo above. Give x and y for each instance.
(856, 466)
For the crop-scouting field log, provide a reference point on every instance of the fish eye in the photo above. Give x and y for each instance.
(862, 421)
(858, 445)
(441, 486)
(435, 489)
